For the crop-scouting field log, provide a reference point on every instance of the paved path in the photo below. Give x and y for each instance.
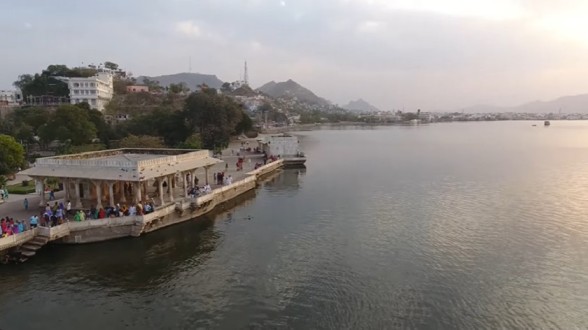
(14, 206)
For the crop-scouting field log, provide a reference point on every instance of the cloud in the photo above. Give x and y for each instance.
(28, 25)
(371, 26)
(189, 29)
(425, 53)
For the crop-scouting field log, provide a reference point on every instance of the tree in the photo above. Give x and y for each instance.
(12, 155)
(103, 130)
(178, 88)
(70, 124)
(152, 84)
(213, 116)
(142, 141)
(192, 142)
(245, 125)
(111, 65)
(226, 87)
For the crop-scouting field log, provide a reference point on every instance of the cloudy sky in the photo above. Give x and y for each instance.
(428, 54)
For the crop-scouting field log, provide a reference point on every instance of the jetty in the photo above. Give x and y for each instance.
(160, 177)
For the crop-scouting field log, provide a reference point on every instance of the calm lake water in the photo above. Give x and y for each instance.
(454, 226)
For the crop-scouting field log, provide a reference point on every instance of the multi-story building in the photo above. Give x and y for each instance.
(97, 91)
(10, 98)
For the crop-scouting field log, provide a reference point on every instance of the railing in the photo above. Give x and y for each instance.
(107, 222)
(86, 162)
(266, 168)
(17, 239)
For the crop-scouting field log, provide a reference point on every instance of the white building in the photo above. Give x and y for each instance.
(280, 145)
(10, 98)
(97, 91)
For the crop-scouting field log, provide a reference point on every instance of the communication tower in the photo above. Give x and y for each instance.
(246, 75)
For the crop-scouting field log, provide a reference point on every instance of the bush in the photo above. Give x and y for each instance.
(18, 189)
(25, 183)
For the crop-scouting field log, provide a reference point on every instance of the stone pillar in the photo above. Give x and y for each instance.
(170, 180)
(111, 192)
(185, 184)
(98, 186)
(193, 178)
(138, 197)
(78, 199)
(43, 201)
(206, 174)
(160, 186)
(86, 190)
(65, 183)
(121, 186)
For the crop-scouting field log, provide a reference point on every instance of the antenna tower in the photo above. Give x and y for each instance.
(246, 75)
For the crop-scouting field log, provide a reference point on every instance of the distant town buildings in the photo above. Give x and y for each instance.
(137, 89)
(96, 90)
(10, 98)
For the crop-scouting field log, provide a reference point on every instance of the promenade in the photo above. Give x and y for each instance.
(14, 207)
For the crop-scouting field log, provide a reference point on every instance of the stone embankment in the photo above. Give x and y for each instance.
(166, 215)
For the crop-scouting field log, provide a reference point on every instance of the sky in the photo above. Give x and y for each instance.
(396, 54)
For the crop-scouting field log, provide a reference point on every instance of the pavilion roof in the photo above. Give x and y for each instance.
(122, 164)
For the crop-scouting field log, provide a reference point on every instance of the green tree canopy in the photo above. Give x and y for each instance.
(178, 88)
(12, 155)
(70, 124)
(213, 116)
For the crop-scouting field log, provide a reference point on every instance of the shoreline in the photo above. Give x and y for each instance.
(171, 213)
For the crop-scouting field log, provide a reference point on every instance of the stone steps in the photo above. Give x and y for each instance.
(28, 254)
(31, 247)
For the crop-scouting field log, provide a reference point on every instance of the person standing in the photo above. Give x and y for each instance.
(34, 221)
(68, 208)
(26, 204)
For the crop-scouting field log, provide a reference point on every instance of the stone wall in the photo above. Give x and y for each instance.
(17, 239)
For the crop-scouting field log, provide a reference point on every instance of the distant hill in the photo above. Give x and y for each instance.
(567, 104)
(360, 105)
(291, 89)
(192, 80)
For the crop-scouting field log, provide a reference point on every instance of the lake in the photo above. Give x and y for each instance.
(454, 226)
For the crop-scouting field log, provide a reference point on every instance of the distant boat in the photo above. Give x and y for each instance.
(547, 123)
(533, 125)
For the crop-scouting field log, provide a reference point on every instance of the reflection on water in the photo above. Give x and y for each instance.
(458, 226)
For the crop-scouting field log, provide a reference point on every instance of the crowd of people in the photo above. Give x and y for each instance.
(116, 211)
(221, 179)
(199, 191)
(9, 226)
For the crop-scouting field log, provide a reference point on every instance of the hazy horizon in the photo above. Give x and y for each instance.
(432, 55)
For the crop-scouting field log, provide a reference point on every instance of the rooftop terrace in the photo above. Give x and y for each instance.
(131, 164)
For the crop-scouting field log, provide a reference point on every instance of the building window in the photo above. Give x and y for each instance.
(93, 101)
(76, 85)
(91, 84)
(93, 92)
(76, 92)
